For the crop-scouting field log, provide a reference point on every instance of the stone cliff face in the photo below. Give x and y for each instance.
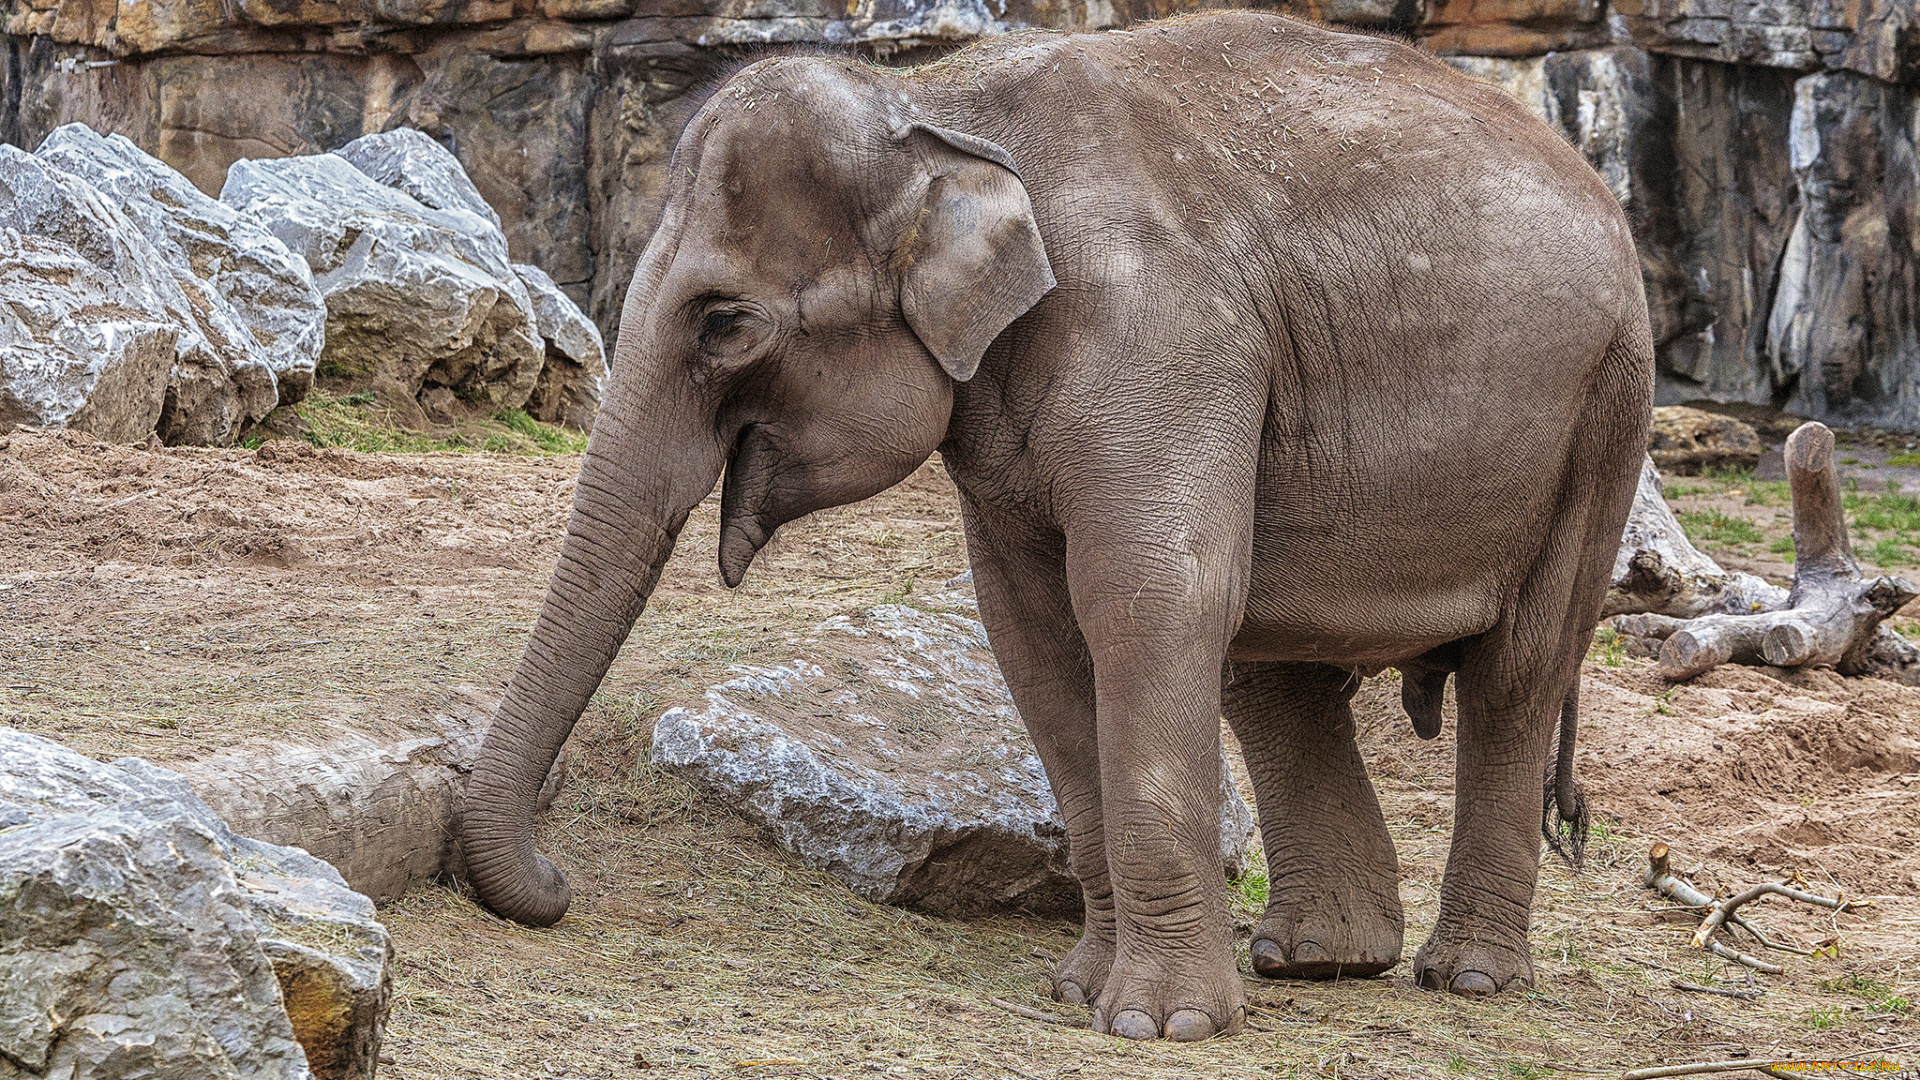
(1766, 149)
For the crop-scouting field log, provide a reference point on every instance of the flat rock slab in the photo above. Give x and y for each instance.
(144, 939)
(891, 756)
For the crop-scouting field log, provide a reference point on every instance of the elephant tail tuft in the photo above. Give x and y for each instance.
(1564, 819)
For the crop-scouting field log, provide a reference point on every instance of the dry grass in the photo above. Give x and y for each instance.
(693, 946)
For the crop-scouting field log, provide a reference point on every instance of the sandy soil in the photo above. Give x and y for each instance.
(171, 603)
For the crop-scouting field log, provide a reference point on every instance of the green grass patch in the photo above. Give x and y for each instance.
(1900, 513)
(1769, 493)
(1879, 995)
(1783, 547)
(1253, 890)
(1908, 460)
(357, 421)
(1607, 647)
(1889, 551)
(1719, 527)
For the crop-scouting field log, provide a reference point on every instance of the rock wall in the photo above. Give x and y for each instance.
(1766, 150)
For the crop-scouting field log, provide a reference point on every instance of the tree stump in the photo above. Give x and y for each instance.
(1831, 616)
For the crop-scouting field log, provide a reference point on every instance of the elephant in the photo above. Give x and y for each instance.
(1262, 357)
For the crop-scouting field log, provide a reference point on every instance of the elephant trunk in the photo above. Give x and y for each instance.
(627, 512)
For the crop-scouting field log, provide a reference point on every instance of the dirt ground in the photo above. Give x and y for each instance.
(172, 603)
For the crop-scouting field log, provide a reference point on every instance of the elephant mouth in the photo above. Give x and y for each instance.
(745, 522)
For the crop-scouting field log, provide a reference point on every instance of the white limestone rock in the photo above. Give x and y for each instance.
(72, 354)
(892, 757)
(575, 376)
(252, 295)
(213, 385)
(409, 160)
(416, 297)
(142, 938)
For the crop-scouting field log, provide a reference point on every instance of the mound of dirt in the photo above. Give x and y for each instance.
(1768, 768)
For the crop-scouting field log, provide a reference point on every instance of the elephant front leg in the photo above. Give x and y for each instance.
(1157, 642)
(1025, 605)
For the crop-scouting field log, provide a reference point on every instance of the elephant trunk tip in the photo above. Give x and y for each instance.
(520, 884)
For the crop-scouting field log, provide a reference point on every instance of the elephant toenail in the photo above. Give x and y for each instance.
(1268, 960)
(1430, 979)
(1133, 1024)
(1310, 952)
(1070, 992)
(1472, 984)
(1189, 1025)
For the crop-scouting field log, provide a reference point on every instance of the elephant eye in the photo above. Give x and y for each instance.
(718, 325)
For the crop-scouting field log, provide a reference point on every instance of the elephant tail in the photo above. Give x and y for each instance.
(1564, 820)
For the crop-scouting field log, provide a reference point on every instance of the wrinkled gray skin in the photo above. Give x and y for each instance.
(1261, 356)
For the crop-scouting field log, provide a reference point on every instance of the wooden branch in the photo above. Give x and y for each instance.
(1721, 911)
(1657, 569)
(1026, 1013)
(1764, 1065)
(1831, 616)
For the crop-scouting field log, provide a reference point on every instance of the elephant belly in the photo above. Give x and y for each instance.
(1385, 574)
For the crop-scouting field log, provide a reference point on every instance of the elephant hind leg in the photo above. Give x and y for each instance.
(1333, 902)
(1515, 682)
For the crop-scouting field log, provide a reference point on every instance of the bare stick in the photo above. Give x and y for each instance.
(1722, 909)
(1697, 1068)
(1717, 912)
(1727, 952)
(1036, 1014)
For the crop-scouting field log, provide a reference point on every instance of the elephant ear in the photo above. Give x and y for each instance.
(973, 257)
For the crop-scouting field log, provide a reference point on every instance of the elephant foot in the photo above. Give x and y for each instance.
(1473, 965)
(1082, 973)
(1165, 1000)
(1327, 933)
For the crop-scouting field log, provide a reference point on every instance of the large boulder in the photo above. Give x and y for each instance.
(72, 354)
(411, 161)
(217, 383)
(251, 294)
(144, 939)
(891, 756)
(417, 297)
(575, 376)
(1692, 441)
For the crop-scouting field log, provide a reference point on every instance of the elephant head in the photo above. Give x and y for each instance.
(826, 267)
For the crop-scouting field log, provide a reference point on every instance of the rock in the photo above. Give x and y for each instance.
(1714, 225)
(575, 376)
(1691, 441)
(71, 355)
(519, 128)
(416, 297)
(407, 159)
(1845, 327)
(1886, 42)
(253, 297)
(144, 939)
(1603, 100)
(1875, 37)
(1512, 27)
(893, 759)
(216, 385)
